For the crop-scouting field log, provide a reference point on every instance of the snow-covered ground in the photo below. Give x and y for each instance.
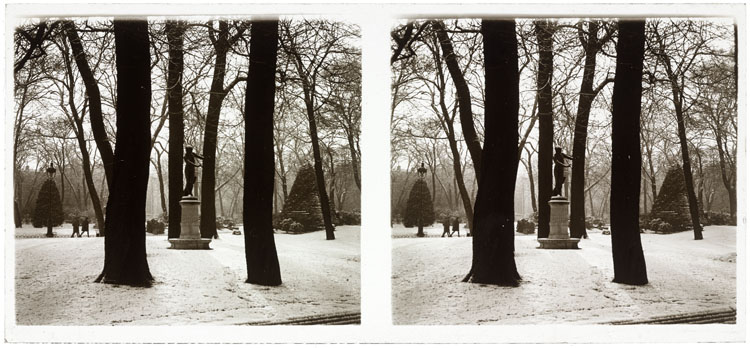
(54, 281)
(562, 286)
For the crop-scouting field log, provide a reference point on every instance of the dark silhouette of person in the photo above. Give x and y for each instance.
(559, 171)
(75, 227)
(85, 226)
(446, 227)
(190, 164)
(456, 228)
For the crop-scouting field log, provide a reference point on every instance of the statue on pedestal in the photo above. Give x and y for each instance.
(191, 161)
(559, 170)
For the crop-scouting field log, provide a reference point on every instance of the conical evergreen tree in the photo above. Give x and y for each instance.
(48, 196)
(671, 205)
(420, 200)
(302, 205)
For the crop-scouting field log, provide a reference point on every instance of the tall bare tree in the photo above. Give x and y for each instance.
(125, 243)
(544, 30)
(677, 62)
(175, 36)
(592, 44)
(492, 260)
(260, 248)
(222, 41)
(627, 252)
(94, 98)
(463, 96)
(311, 45)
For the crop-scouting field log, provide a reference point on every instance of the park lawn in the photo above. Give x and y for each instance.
(562, 286)
(54, 281)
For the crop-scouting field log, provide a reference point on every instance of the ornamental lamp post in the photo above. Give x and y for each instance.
(420, 231)
(50, 175)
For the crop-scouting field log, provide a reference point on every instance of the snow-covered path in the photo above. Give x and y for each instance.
(562, 286)
(54, 282)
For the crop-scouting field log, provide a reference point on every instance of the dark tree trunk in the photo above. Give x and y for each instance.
(677, 100)
(463, 97)
(627, 252)
(355, 161)
(585, 99)
(160, 176)
(493, 245)
(686, 166)
(530, 171)
(260, 248)
(208, 178)
(308, 84)
(86, 162)
(62, 175)
(125, 243)
(222, 43)
(652, 175)
(459, 175)
(282, 172)
(544, 91)
(325, 206)
(729, 182)
(94, 99)
(175, 34)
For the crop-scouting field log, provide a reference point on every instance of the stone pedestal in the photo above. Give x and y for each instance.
(190, 235)
(558, 226)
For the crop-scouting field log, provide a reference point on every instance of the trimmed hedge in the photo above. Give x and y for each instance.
(419, 198)
(48, 196)
(302, 206)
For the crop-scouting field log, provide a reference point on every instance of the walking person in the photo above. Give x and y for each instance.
(75, 228)
(446, 227)
(85, 226)
(456, 227)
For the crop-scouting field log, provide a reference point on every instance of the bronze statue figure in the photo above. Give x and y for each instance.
(559, 171)
(190, 163)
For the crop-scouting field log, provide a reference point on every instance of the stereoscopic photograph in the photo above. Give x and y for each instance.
(186, 171)
(564, 171)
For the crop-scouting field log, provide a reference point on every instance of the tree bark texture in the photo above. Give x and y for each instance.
(309, 93)
(175, 37)
(585, 99)
(687, 170)
(677, 101)
(88, 175)
(221, 44)
(125, 243)
(493, 245)
(463, 96)
(459, 175)
(94, 99)
(77, 122)
(325, 206)
(627, 252)
(257, 208)
(543, 32)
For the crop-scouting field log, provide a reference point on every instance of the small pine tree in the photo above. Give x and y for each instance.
(671, 204)
(302, 205)
(48, 196)
(419, 197)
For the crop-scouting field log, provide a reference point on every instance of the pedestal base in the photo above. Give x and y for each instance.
(554, 243)
(190, 236)
(177, 243)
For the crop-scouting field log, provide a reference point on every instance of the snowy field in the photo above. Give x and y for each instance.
(54, 281)
(561, 286)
